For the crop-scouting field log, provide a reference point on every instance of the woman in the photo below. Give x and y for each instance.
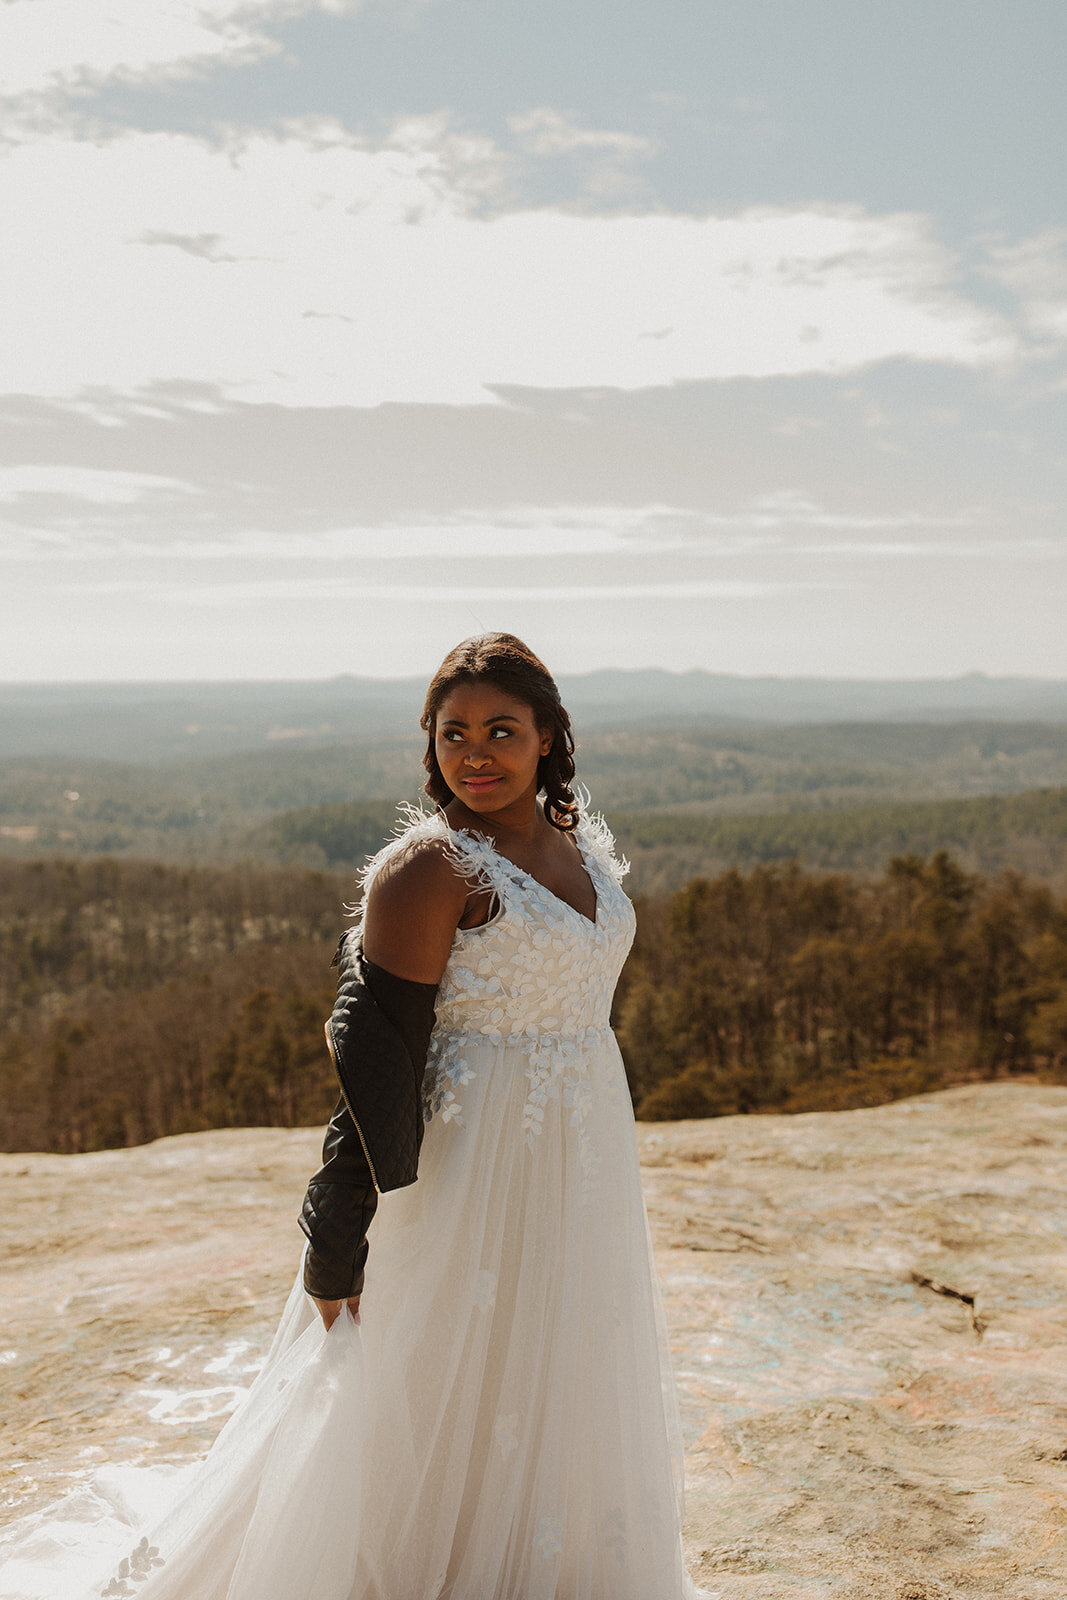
(500, 1424)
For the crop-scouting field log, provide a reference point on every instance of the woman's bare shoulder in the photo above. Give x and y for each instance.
(421, 867)
(414, 904)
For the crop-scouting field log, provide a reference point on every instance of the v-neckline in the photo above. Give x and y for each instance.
(483, 838)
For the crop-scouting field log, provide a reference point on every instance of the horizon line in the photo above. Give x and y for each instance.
(973, 675)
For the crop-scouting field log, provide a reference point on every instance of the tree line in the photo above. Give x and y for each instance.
(74, 931)
(138, 1000)
(239, 1044)
(669, 847)
(791, 990)
(1025, 831)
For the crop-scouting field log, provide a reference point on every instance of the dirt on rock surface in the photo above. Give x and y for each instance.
(868, 1311)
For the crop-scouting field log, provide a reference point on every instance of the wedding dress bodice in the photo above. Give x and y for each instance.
(538, 976)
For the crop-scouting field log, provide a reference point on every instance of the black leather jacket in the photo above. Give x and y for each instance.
(378, 1036)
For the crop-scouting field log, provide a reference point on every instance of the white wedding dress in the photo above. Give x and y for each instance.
(501, 1423)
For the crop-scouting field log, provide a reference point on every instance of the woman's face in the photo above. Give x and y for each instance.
(488, 746)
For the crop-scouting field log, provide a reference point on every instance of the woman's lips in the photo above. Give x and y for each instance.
(480, 785)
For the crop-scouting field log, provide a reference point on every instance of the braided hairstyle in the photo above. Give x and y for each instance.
(503, 660)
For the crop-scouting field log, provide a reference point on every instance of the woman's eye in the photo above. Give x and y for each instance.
(505, 731)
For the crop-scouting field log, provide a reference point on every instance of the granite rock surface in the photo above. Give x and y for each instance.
(868, 1311)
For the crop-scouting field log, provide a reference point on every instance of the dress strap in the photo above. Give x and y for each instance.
(598, 841)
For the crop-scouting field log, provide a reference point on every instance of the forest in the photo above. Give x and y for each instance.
(668, 847)
(797, 991)
(140, 999)
(831, 913)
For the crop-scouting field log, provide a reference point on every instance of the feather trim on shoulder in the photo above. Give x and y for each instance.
(598, 838)
(470, 856)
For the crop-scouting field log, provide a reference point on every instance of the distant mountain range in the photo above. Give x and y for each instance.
(173, 721)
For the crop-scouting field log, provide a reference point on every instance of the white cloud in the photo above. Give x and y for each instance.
(333, 589)
(49, 45)
(154, 258)
(530, 539)
(96, 485)
(1035, 270)
(793, 508)
(511, 533)
(548, 132)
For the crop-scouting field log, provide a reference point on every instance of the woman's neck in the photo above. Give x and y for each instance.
(520, 821)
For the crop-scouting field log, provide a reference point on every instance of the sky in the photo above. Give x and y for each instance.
(664, 333)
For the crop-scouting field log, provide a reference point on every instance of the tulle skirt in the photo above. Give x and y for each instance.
(499, 1425)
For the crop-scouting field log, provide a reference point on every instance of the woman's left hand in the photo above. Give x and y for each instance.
(330, 1310)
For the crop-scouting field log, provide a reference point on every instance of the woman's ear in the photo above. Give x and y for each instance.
(546, 741)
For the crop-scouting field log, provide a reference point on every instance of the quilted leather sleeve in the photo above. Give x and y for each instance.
(335, 1217)
(379, 1034)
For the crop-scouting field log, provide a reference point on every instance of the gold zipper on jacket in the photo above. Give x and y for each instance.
(355, 1120)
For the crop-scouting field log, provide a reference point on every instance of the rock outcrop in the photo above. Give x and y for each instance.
(868, 1311)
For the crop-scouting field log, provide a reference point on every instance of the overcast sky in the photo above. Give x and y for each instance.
(681, 333)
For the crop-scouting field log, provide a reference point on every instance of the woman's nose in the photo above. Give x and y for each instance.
(476, 758)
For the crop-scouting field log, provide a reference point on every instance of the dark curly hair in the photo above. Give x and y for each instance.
(503, 660)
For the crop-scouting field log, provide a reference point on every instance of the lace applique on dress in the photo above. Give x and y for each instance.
(133, 1569)
(548, 1536)
(558, 1070)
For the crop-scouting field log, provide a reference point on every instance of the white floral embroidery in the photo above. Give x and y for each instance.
(134, 1568)
(614, 1534)
(446, 1071)
(548, 1537)
(505, 1433)
(450, 1108)
(485, 1290)
(558, 1071)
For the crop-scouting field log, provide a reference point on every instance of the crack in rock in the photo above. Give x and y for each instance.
(969, 1300)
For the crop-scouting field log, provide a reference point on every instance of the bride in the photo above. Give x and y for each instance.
(492, 1416)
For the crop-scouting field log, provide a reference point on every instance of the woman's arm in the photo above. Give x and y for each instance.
(411, 911)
